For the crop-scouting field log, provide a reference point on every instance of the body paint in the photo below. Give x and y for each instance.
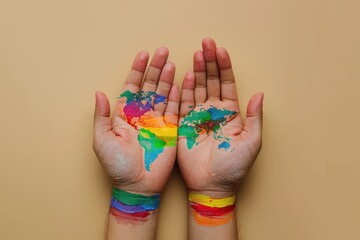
(131, 207)
(155, 133)
(212, 221)
(205, 121)
(210, 211)
(152, 146)
(224, 145)
(122, 217)
(137, 104)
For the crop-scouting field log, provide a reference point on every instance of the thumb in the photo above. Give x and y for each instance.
(102, 122)
(254, 114)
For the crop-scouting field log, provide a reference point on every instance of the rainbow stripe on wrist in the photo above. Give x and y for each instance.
(210, 211)
(132, 207)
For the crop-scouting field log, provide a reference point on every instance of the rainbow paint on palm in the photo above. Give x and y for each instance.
(132, 207)
(154, 132)
(210, 211)
(201, 121)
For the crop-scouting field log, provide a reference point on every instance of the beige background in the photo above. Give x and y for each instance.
(304, 54)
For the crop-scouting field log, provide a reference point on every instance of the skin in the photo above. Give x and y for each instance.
(205, 168)
(116, 142)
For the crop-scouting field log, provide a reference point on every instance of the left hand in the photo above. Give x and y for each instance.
(216, 148)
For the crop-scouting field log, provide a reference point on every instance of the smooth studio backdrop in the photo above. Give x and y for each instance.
(304, 55)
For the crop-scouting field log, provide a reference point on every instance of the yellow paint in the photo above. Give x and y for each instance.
(147, 120)
(211, 202)
(163, 131)
(161, 127)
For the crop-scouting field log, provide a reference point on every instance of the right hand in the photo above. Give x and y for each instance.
(120, 141)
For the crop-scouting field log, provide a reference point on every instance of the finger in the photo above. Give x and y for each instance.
(212, 71)
(155, 68)
(200, 77)
(187, 94)
(253, 122)
(102, 122)
(227, 79)
(133, 81)
(165, 84)
(172, 109)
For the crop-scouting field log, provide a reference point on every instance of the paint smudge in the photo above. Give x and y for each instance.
(125, 218)
(148, 202)
(209, 211)
(224, 145)
(155, 133)
(131, 207)
(213, 220)
(212, 211)
(202, 121)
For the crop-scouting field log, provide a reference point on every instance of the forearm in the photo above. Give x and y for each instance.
(132, 216)
(208, 221)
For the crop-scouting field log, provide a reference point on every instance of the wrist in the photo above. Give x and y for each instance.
(136, 189)
(209, 210)
(129, 207)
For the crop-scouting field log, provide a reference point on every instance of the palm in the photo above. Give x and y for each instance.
(213, 158)
(125, 144)
(123, 160)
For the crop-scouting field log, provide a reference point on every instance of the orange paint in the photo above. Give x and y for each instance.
(147, 120)
(212, 221)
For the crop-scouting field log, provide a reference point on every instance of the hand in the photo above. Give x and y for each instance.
(216, 148)
(137, 145)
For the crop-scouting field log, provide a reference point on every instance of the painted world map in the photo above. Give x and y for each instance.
(206, 121)
(153, 133)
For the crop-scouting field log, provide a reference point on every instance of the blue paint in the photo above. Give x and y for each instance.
(127, 208)
(159, 99)
(220, 114)
(225, 145)
(152, 146)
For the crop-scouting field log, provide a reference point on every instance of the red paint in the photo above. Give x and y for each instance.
(129, 217)
(211, 211)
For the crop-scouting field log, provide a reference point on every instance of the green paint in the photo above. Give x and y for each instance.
(210, 120)
(152, 145)
(133, 199)
(190, 133)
